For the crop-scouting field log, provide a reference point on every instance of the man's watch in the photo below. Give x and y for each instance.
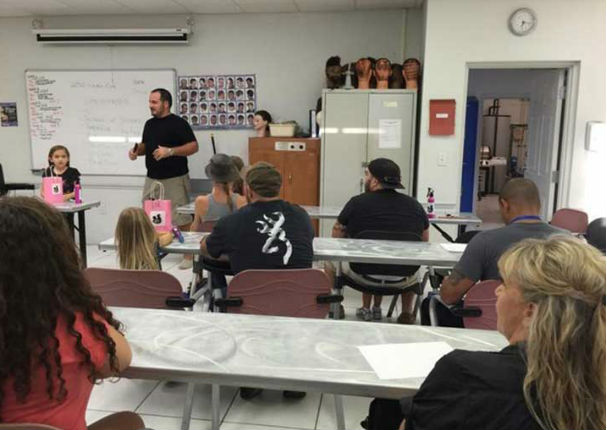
(171, 152)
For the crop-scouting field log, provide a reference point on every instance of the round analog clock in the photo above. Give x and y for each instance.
(522, 21)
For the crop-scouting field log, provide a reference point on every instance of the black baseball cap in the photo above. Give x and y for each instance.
(386, 172)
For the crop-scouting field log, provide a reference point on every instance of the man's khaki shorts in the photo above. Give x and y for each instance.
(176, 189)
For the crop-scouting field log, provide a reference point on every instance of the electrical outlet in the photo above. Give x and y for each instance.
(297, 146)
(442, 159)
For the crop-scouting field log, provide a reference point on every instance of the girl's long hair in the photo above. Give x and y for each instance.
(564, 386)
(41, 281)
(136, 240)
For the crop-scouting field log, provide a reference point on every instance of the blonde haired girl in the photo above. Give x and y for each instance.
(137, 242)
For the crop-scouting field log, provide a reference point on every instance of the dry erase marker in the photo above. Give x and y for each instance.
(135, 148)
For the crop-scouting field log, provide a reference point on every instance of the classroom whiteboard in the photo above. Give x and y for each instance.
(97, 114)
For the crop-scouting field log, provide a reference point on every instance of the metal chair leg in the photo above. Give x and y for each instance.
(339, 412)
(392, 305)
(215, 409)
(187, 407)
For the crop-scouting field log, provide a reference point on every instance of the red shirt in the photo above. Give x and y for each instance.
(68, 414)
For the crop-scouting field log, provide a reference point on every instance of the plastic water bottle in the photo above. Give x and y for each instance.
(430, 205)
(77, 193)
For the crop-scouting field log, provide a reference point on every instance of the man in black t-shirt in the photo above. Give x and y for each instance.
(380, 208)
(166, 143)
(268, 233)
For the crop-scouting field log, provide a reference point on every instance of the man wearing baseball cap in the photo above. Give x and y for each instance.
(268, 233)
(380, 208)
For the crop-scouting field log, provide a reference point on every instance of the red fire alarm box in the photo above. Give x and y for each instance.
(442, 117)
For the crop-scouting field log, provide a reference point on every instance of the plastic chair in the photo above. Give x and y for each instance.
(137, 288)
(595, 234)
(570, 219)
(384, 273)
(302, 293)
(478, 311)
(142, 289)
(13, 186)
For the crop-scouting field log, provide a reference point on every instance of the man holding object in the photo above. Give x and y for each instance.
(166, 143)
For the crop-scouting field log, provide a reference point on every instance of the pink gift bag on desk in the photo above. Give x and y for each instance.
(159, 210)
(52, 189)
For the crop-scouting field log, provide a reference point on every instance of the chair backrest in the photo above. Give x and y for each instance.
(386, 269)
(570, 219)
(25, 426)
(595, 234)
(466, 236)
(133, 288)
(3, 189)
(482, 296)
(281, 292)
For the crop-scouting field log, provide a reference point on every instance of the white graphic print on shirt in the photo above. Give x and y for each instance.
(273, 228)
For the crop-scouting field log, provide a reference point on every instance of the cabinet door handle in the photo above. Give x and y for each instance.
(290, 177)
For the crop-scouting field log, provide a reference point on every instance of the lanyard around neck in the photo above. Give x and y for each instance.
(524, 217)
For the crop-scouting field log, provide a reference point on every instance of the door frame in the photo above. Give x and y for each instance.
(565, 147)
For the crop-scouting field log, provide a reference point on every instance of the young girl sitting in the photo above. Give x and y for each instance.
(59, 165)
(137, 242)
(56, 336)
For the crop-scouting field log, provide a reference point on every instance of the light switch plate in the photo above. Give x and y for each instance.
(442, 159)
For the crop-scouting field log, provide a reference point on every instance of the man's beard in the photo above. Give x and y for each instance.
(367, 187)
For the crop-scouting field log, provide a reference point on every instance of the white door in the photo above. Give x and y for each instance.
(543, 89)
(545, 108)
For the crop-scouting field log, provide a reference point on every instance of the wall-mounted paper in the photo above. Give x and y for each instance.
(388, 360)
(390, 133)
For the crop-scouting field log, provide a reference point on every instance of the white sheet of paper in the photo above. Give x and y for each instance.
(388, 361)
(390, 133)
(454, 247)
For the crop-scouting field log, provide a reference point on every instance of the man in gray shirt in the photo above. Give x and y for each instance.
(519, 204)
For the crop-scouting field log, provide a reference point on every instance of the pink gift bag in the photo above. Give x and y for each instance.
(52, 187)
(159, 210)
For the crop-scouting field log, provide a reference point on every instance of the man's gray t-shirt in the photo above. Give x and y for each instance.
(479, 261)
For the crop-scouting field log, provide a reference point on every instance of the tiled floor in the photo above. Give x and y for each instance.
(160, 404)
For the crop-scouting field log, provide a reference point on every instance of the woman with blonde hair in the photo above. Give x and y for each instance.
(551, 309)
(137, 242)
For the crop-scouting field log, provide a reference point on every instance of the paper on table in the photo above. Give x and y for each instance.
(454, 247)
(389, 360)
(389, 133)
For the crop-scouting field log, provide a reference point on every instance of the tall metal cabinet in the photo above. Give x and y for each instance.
(358, 126)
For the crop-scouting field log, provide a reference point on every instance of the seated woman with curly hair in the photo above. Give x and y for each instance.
(551, 309)
(56, 336)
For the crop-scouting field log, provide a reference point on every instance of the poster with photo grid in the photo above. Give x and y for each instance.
(212, 102)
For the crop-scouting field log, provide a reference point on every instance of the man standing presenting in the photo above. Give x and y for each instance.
(166, 143)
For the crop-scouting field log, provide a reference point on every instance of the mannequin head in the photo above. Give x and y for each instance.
(411, 69)
(364, 71)
(396, 80)
(334, 73)
(382, 72)
(261, 123)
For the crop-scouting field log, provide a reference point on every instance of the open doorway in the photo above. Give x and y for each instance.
(514, 119)
(502, 152)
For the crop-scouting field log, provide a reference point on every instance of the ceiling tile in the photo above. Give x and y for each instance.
(209, 6)
(154, 7)
(266, 6)
(94, 7)
(386, 4)
(324, 5)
